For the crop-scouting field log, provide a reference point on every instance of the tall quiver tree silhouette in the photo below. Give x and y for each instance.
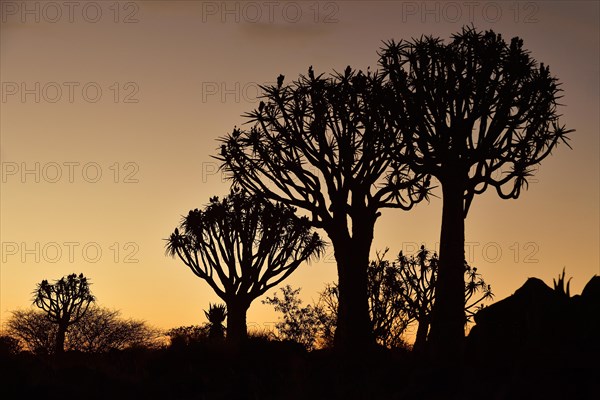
(65, 303)
(484, 114)
(242, 246)
(321, 144)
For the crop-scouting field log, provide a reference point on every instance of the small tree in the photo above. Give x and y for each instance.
(216, 314)
(482, 114)
(34, 330)
(184, 336)
(9, 346)
(242, 246)
(65, 303)
(327, 305)
(418, 276)
(304, 325)
(389, 316)
(102, 329)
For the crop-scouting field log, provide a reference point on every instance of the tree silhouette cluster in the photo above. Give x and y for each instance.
(331, 152)
(401, 292)
(69, 319)
(468, 114)
(473, 113)
(323, 144)
(417, 276)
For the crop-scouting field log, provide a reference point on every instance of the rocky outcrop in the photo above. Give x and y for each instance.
(539, 326)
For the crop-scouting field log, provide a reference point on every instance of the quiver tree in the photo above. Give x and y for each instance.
(242, 246)
(321, 145)
(389, 317)
(417, 275)
(482, 113)
(65, 303)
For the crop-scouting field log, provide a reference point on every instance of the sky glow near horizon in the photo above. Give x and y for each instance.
(110, 113)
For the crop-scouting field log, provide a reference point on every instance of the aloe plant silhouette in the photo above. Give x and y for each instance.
(242, 246)
(561, 286)
(216, 315)
(65, 303)
(481, 113)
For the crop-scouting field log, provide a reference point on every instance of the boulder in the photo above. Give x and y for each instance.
(540, 326)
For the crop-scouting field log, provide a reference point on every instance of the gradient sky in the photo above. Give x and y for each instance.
(176, 75)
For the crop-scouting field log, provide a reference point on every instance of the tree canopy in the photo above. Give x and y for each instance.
(65, 302)
(482, 113)
(323, 144)
(242, 246)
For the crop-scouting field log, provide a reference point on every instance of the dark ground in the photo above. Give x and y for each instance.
(276, 370)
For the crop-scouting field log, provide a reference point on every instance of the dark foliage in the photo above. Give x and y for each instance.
(99, 330)
(9, 346)
(308, 325)
(184, 336)
(33, 330)
(102, 329)
(400, 293)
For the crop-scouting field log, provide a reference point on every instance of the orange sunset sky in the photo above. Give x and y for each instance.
(110, 113)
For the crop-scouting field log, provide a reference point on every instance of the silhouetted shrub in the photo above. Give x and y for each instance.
(99, 330)
(303, 325)
(34, 331)
(9, 346)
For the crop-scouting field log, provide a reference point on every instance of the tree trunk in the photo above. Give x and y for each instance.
(421, 339)
(448, 315)
(353, 330)
(60, 339)
(237, 331)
